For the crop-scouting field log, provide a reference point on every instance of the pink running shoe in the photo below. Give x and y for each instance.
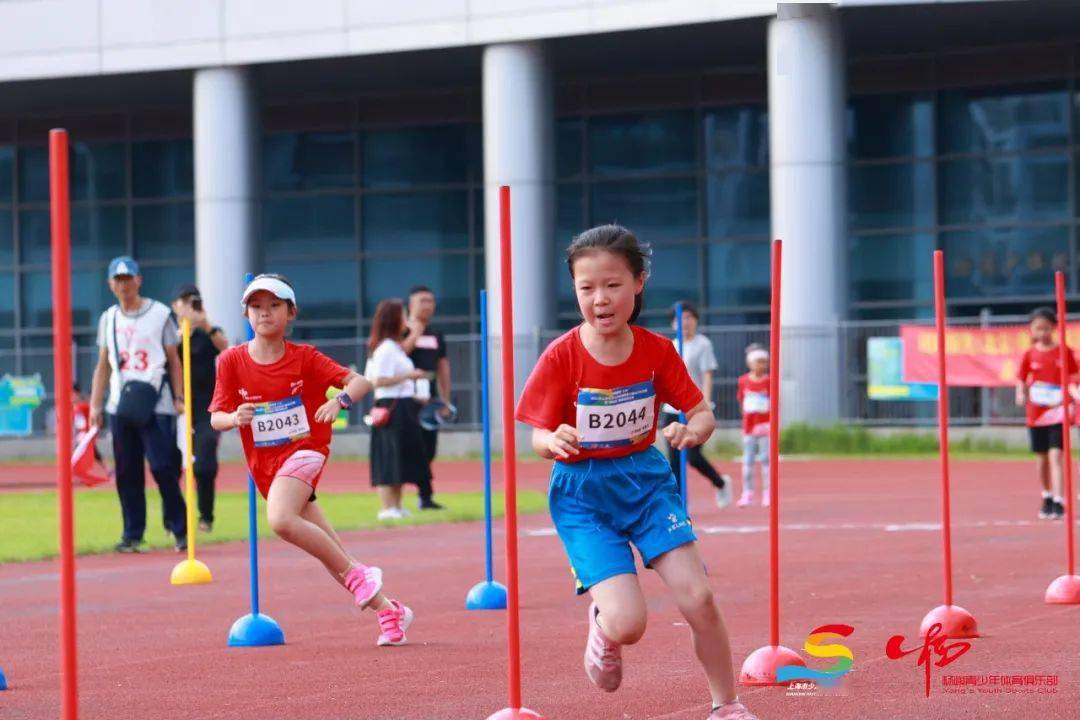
(766, 499)
(733, 710)
(603, 658)
(393, 622)
(746, 499)
(364, 582)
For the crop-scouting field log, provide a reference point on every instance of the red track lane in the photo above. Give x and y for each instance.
(149, 650)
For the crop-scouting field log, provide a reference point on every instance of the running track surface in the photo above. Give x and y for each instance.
(859, 548)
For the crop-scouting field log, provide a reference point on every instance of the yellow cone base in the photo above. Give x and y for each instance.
(190, 572)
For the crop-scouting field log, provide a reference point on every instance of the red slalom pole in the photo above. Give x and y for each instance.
(955, 621)
(513, 615)
(60, 214)
(1065, 590)
(760, 667)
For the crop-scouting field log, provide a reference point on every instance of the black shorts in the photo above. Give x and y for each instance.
(1045, 437)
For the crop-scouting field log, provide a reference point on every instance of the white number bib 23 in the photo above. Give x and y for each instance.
(279, 422)
(617, 417)
(1045, 394)
(755, 402)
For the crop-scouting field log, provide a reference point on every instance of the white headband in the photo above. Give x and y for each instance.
(275, 287)
(757, 355)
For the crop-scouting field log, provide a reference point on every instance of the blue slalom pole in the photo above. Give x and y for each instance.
(682, 416)
(256, 629)
(487, 595)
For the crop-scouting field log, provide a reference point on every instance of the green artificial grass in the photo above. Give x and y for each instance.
(29, 520)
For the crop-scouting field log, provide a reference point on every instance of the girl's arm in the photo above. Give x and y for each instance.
(706, 388)
(557, 444)
(222, 421)
(699, 426)
(1021, 394)
(356, 387)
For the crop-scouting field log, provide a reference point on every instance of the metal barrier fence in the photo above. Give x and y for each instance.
(968, 406)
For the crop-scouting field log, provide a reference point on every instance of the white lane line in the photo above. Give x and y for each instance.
(884, 527)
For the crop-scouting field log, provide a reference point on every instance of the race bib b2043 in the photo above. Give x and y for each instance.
(279, 422)
(1045, 394)
(617, 417)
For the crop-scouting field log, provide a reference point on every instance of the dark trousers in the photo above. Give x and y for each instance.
(205, 449)
(694, 458)
(431, 444)
(154, 443)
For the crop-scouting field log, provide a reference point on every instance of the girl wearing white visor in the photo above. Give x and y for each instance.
(274, 391)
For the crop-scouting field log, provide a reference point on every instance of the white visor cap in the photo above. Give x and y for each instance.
(754, 355)
(272, 285)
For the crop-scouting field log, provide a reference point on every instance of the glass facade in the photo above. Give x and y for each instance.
(132, 186)
(358, 202)
(694, 183)
(986, 173)
(354, 213)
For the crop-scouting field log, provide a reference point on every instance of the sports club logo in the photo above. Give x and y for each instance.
(819, 644)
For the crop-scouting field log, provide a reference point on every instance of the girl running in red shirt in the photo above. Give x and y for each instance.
(274, 391)
(593, 400)
(1038, 390)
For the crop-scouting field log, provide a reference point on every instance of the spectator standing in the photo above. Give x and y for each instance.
(138, 360)
(398, 453)
(207, 342)
(427, 350)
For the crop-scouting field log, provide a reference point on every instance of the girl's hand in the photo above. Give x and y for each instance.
(1020, 399)
(564, 442)
(328, 411)
(681, 437)
(416, 375)
(243, 415)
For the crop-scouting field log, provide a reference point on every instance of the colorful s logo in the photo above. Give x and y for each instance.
(816, 646)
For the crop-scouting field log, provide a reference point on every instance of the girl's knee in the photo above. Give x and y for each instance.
(281, 523)
(623, 627)
(697, 601)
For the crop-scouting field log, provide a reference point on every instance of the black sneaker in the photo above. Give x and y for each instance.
(1059, 510)
(129, 546)
(1047, 509)
(430, 505)
(181, 543)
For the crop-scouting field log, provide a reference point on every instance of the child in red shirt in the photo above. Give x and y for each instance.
(753, 397)
(1038, 389)
(593, 400)
(274, 391)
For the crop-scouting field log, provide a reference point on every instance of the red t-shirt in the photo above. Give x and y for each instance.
(1040, 371)
(613, 407)
(753, 397)
(286, 394)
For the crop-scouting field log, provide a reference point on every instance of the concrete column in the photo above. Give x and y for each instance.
(519, 151)
(808, 190)
(226, 139)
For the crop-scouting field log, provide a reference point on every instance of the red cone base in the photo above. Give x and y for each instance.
(761, 665)
(1064, 591)
(956, 622)
(516, 714)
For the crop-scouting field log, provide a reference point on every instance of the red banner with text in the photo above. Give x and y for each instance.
(974, 357)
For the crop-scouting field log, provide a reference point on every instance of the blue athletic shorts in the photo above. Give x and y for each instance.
(600, 506)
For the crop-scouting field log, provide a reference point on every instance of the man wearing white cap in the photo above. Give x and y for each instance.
(138, 360)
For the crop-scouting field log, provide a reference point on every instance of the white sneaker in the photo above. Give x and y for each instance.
(402, 513)
(723, 495)
(388, 514)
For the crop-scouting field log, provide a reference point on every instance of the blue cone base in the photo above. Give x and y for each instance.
(256, 631)
(3, 681)
(486, 596)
